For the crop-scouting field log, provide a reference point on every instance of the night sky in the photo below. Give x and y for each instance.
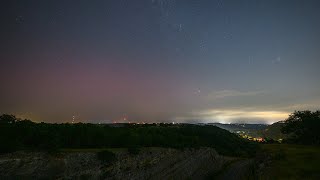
(159, 60)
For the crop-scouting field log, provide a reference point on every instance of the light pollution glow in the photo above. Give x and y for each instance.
(159, 60)
(229, 116)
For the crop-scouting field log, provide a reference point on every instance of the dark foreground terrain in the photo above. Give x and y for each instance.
(155, 151)
(284, 161)
(273, 161)
(117, 151)
(149, 163)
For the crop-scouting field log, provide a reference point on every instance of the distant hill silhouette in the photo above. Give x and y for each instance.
(273, 131)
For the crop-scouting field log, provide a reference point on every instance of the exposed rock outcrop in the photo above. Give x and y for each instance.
(150, 163)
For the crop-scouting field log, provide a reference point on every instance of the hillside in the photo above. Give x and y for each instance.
(283, 161)
(52, 137)
(273, 131)
(253, 130)
(150, 163)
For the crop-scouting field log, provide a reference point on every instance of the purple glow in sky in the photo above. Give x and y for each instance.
(159, 60)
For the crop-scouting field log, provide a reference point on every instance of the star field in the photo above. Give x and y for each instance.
(159, 60)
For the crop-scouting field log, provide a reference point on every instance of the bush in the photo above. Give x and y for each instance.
(303, 127)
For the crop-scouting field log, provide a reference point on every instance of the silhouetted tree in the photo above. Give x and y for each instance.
(8, 119)
(303, 127)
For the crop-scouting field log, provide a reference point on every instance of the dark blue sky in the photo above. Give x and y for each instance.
(159, 60)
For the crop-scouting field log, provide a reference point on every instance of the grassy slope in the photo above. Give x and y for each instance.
(292, 162)
(273, 131)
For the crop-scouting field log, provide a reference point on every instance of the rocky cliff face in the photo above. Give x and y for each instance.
(150, 163)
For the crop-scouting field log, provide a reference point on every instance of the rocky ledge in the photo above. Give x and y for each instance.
(149, 163)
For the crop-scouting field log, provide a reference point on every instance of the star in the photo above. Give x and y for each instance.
(19, 19)
(197, 92)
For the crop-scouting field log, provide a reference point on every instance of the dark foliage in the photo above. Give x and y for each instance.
(7, 119)
(106, 156)
(270, 141)
(303, 127)
(23, 134)
(134, 150)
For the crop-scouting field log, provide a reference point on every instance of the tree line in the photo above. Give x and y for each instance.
(16, 134)
(302, 127)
